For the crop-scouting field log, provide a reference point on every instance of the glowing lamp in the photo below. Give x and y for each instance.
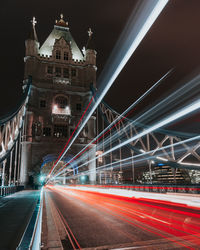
(42, 178)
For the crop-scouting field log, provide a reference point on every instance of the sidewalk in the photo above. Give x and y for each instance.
(15, 213)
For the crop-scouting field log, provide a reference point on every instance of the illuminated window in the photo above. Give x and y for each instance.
(50, 70)
(78, 106)
(58, 72)
(66, 56)
(66, 73)
(60, 131)
(46, 131)
(42, 103)
(61, 101)
(58, 54)
(73, 72)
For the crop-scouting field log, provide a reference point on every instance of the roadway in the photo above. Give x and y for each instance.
(87, 219)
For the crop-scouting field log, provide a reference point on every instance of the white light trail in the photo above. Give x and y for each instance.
(150, 10)
(120, 117)
(144, 153)
(190, 108)
(161, 158)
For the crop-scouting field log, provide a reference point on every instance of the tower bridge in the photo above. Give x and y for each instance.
(63, 136)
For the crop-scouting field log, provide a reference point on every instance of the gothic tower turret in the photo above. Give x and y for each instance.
(32, 44)
(61, 79)
(90, 50)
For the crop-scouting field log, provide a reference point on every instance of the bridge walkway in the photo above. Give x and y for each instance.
(15, 213)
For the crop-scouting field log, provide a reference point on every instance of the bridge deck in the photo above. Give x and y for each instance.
(15, 213)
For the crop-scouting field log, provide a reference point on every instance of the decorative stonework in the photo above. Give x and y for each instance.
(58, 68)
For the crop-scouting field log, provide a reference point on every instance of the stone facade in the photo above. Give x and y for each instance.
(61, 79)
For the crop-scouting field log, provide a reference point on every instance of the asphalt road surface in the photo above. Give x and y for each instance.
(103, 221)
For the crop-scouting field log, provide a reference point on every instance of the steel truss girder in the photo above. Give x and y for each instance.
(11, 125)
(174, 158)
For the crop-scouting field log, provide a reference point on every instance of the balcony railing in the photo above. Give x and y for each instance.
(61, 80)
(61, 111)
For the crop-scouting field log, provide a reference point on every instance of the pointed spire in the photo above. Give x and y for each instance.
(33, 21)
(61, 22)
(90, 43)
(90, 32)
(33, 34)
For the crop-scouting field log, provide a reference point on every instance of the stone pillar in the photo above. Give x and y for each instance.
(26, 148)
(25, 162)
(92, 164)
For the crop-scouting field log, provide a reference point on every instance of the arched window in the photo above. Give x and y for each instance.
(58, 54)
(61, 102)
(61, 106)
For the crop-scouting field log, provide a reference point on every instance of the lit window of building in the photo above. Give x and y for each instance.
(46, 131)
(61, 102)
(99, 154)
(60, 106)
(58, 54)
(60, 131)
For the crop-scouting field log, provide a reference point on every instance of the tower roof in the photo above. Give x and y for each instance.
(60, 30)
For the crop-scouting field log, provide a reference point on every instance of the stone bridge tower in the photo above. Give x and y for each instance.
(61, 79)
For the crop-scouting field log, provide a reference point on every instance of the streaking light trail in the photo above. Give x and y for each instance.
(117, 120)
(62, 154)
(184, 111)
(181, 93)
(129, 40)
(169, 217)
(128, 160)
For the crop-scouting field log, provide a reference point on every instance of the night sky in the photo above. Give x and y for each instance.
(172, 42)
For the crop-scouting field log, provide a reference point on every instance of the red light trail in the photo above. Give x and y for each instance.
(87, 147)
(71, 135)
(176, 223)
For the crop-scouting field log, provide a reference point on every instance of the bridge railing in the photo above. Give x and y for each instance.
(7, 190)
(11, 128)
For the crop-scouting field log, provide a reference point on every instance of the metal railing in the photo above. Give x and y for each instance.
(7, 190)
(164, 188)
